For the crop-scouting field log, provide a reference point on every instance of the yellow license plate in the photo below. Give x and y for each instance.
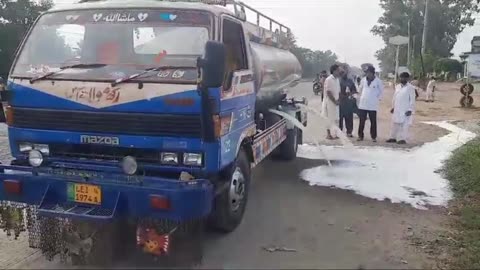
(83, 193)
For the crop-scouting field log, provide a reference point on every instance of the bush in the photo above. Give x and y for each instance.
(463, 169)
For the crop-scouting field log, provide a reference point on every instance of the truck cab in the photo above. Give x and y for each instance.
(146, 110)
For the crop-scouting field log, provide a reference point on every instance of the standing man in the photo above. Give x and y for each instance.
(430, 93)
(330, 110)
(347, 102)
(416, 85)
(403, 106)
(371, 89)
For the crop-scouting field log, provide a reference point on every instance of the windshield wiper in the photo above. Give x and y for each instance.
(46, 75)
(148, 70)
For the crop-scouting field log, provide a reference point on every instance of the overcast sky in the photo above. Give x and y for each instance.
(342, 26)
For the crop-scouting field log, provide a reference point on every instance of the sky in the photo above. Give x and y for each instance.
(342, 26)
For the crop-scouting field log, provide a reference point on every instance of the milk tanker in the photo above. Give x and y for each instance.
(121, 133)
(277, 70)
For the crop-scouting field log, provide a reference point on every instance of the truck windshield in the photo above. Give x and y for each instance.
(125, 41)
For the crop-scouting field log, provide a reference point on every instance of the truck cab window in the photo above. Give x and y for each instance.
(233, 38)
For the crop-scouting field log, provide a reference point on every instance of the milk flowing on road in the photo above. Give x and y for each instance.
(324, 122)
(407, 176)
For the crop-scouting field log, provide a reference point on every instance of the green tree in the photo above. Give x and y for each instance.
(448, 65)
(16, 17)
(312, 62)
(447, 18)
(429, 61)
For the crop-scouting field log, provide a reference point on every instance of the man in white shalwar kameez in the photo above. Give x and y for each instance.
(403, 106)
(431, 87)
(330, 108)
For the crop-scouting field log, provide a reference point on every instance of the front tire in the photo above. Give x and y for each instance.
(230, 204)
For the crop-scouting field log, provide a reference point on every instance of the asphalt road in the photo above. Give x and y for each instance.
(327, 228)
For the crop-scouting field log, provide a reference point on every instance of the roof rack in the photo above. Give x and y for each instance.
(278, 37)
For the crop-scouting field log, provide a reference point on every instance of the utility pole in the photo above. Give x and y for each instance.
(409, 44)
(396, 66)
(425, 26)
(413, 46)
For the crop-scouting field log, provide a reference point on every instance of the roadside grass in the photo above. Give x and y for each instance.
(463, 172)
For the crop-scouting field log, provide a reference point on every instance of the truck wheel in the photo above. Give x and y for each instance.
(230, 204)
(288, 148)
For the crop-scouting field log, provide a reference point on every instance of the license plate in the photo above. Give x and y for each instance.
(83, 193)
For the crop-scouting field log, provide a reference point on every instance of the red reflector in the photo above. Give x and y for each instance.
(159, 202)
(12, 186)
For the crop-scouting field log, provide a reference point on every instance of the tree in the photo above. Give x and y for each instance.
(314, 62)
(429, 60)
(16, 17)
(445, 65)
(447, 19)
(448, 67)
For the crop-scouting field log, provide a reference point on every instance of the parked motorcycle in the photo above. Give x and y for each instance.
(316, 88)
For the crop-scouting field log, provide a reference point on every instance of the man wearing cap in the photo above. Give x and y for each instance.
(371, 90)
(403, 106)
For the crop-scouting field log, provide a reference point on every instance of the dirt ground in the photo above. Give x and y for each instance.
(329, 228)
(425, 232)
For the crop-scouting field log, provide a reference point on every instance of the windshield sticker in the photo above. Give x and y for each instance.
(92, 95)
(168, 17)
(41, 69)
(142, 16)
(178, 74)
(71, 18)
(128, 16)
(163, 74)
(114, 17)
(97, 16)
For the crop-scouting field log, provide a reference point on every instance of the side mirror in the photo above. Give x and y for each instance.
(212, 67)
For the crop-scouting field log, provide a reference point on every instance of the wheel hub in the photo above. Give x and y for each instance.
(237, 189)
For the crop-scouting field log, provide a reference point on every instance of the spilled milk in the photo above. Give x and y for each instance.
(324, 123)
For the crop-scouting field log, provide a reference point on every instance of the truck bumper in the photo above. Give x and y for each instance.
(152, 197)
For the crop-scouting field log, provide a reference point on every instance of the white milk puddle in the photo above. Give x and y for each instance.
(382, 173)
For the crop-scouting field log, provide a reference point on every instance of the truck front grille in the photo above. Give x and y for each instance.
(141, 124)
(101, 152)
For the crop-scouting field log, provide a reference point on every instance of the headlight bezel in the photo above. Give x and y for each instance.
(26, 147)
(199, 158)
(173, 155)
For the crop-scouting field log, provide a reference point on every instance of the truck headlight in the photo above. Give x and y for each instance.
(192, 159)
(43, 148)
(35, 158)
(169, 158)
(25, 147)
(129, 165)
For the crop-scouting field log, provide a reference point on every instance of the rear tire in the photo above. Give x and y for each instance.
(230, 204)
(288, 149)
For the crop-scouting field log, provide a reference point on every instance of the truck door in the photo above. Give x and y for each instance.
(238, 94)
(233, 36)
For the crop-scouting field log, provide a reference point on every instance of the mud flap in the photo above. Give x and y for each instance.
(168, 243)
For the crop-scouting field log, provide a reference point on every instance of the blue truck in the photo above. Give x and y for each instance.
(147, 112)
